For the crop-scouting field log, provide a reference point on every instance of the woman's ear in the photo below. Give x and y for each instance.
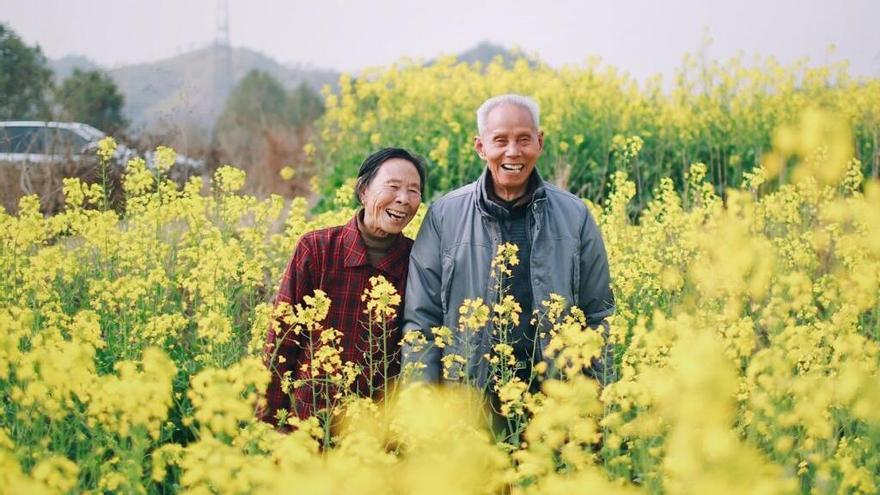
(359, 192)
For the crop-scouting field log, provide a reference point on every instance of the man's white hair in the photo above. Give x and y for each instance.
(509, 99)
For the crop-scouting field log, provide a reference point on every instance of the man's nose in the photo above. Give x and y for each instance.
(512, 149)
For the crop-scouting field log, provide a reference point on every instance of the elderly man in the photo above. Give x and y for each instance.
(560, 248)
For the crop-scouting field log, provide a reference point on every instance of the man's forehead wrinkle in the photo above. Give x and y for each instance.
(519, 131)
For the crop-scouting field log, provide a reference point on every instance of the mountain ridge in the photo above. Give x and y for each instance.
(180, 91)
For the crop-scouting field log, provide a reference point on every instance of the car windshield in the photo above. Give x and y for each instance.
(94, 134)
(66, 142)
(22, 139)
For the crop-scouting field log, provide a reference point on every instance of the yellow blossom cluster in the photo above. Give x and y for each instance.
(599, 120)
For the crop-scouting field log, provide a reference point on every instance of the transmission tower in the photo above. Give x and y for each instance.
(222, 59)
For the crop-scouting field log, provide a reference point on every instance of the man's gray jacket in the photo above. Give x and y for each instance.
(450, 262)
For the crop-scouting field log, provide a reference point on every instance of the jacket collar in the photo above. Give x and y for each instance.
(487, 207)
(356, 251)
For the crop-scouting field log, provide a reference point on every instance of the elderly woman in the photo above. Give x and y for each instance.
(340, 261)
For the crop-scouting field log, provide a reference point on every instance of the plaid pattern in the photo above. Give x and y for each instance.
(333, 260)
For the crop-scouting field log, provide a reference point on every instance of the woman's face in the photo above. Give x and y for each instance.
(391, 199)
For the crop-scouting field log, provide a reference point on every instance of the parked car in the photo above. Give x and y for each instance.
(36, 157)
(64, 142)
(53, 142)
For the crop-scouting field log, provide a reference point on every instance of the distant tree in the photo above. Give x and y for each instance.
(263, 127)
(25, 79)
(252, 131)
(93, 98)
(304, 105)
(260, 101)
(257, 102)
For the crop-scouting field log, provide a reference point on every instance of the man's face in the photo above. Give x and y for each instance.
(391, 198)
(511, 145)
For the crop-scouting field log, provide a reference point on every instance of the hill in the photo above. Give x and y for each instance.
(484, 52)
(180, 91)
(64, 66)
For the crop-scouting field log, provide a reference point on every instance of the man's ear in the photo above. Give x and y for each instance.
(541, 139)
(478, 147)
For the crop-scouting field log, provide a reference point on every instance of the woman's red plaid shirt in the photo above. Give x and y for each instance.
(335, 261)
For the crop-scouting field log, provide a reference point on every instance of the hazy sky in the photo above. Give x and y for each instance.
(639, 36)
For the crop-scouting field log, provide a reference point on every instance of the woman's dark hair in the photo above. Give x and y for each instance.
(372, 163)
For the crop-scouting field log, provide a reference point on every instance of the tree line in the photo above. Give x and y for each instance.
(261, 129)
(28, 90)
